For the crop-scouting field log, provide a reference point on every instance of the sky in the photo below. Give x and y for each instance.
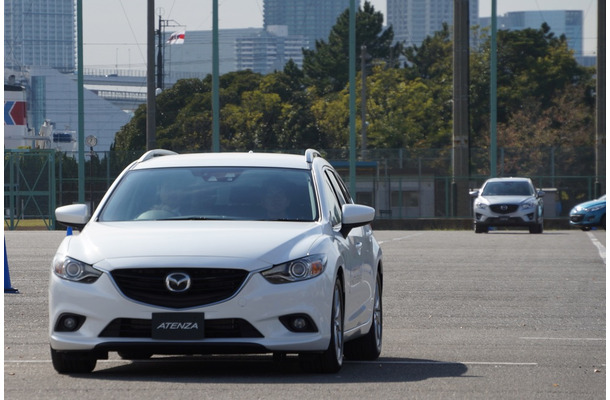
(114, 31)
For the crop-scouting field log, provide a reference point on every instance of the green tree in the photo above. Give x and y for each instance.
(405, 113)
(326, 66)
(183, 113)
(331, 114)
(534, 69)
(534, 130)
(433, 59)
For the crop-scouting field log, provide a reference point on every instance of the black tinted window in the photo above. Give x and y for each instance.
(508, 188)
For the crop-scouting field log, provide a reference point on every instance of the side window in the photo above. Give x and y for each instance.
(332, 202)
(342, 187)
(335, 189)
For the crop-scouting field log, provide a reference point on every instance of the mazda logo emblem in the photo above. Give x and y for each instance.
(177, 282)
(503, 207)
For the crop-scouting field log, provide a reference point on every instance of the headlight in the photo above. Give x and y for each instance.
(296, 270)
(74, 270)
(480, 204)
(528, 204)
(594, 208)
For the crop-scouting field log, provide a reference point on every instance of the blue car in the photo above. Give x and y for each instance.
(589, 214)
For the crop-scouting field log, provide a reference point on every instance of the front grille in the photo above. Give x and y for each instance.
(208, 285)
(213, 328)
(504, 208)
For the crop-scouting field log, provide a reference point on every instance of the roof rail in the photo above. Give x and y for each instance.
(310, 154)
(156, 153)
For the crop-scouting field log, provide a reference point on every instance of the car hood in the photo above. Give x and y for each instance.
(589, 204)
(250, 244)
(507, 199)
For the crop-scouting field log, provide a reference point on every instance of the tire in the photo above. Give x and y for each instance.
(368, 347)
(538, 228)
(602, 223)
(480, 229)
(585, 228)
(331, 360)
(72, 362)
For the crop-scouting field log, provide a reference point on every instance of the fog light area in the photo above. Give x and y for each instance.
(69, 323)
(298, 323)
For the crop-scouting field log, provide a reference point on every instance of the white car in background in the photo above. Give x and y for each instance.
(218, 253)
(508, 202)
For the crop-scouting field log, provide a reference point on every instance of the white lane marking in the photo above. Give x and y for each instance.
(558, 338)
(401, 238)
(600, 247)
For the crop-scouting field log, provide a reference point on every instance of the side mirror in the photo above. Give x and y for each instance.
(540, 193)
(76, 215)
(355, 215)
(474, 193)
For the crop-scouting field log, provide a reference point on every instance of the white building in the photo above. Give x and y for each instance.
(40, 52)
(414, 20)
(52, 100)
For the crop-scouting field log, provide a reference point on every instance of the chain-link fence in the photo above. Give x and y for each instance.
(399, 184)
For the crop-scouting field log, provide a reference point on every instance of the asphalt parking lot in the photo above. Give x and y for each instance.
(504, 315)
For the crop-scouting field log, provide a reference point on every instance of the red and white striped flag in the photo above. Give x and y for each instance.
(176, 38)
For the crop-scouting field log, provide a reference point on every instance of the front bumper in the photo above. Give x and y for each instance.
(246, 323)
(528, 219)
(586, 219)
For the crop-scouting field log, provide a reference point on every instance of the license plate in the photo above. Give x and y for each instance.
(178, 326)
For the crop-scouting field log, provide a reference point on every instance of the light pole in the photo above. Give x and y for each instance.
(352, 97)
(151, 107)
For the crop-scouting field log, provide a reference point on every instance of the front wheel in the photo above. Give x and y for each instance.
(72, 362)
(331, 360)
(538, 228)
(480, 229)
(368, 347)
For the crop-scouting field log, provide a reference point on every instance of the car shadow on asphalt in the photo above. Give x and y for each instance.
(515, 232)
(260, 369)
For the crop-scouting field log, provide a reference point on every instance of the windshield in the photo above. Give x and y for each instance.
(213, 193)
(508, 188)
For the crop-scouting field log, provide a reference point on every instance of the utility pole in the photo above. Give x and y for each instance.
(363, 59)
(600, 98)
(461, 151)
(352, 97)
(493, 93)
(215, 80)
(160, 55)
(151, 108)
(81, 103)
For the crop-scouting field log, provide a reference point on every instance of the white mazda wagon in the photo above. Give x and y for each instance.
(218, 253)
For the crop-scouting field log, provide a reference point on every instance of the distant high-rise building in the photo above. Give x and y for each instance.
(269, 51)
(312, 19)
(414, 20)
(40, 33)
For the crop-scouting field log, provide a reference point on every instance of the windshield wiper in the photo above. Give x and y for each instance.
(189, 218)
